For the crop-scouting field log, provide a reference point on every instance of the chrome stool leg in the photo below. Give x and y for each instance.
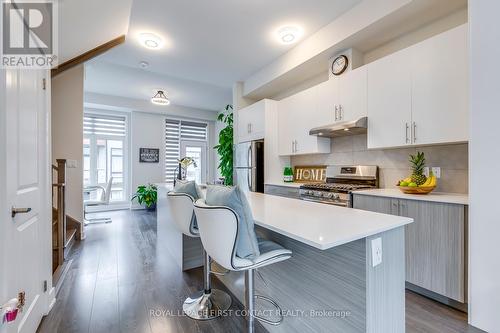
(208, 303)
(250, 298)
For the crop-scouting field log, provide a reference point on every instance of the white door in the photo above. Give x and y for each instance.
(251, 122)
(389, 101)
(352, 93)
(440, 88)
(327, 101)
(25, 238)
(285, 123)
(198, 151)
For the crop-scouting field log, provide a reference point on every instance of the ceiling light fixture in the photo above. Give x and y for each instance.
(160, 99)
(144, 64)
(151, 41)
(289, 34)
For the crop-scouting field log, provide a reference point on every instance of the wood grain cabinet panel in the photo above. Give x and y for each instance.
(434, 244)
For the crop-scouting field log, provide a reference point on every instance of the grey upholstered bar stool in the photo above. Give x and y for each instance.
(218, 228)
(208, 303)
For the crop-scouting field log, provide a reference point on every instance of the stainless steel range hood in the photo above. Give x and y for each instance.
(342, 128)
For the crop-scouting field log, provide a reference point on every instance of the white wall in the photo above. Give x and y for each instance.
(146, 131)
(484, 219)
(67, 133)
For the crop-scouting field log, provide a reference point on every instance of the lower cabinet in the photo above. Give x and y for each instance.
(282, 191)
(435, 243)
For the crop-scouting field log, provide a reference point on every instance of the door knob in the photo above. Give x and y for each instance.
(15, 211)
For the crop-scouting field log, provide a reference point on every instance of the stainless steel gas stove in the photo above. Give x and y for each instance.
(341, 181)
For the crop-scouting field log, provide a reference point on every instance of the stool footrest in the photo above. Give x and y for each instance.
(273, 303)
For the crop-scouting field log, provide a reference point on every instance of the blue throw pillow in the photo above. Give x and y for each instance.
(192, 189)
(188, 187)
(232, 197)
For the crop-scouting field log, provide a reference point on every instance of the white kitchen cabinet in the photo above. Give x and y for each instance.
(440, 88)
(296, 116)
(352, 90)
(418, 96)
(389, 101)
(328, 101)
(343, 98)
(251, 122)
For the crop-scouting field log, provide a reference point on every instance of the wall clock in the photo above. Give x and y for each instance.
(339, 65)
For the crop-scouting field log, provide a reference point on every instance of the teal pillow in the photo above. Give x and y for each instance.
(246, 241)
(188, 187)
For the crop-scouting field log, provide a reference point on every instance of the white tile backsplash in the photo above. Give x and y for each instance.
(393, 163)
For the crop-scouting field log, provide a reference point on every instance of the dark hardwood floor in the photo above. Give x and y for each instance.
(123, 280)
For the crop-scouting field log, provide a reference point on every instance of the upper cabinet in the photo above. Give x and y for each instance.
(352, 94)
(298, 114)
(419, 95)
(343, 98)
(250, 123)
(440, 88)
(389, 101)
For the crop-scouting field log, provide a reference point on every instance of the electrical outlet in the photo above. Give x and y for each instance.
(426, 171)
(376, 251)
(436, 171)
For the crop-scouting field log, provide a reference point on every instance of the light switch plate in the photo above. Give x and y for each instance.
(376, 251)
(436, 171)
(71, 164)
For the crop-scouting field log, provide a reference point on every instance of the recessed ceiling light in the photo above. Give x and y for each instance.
(160, 98)
(150, 40)
(144, 64)
(289, 34)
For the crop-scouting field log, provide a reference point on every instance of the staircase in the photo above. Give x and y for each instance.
(65, 229)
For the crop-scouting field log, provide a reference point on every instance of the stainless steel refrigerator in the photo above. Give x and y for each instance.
(249, 165)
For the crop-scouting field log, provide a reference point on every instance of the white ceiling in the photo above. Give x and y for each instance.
(84, 25)
(209, 46)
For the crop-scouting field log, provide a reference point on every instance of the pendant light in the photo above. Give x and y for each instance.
(160, 99)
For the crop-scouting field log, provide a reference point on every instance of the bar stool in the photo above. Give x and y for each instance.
(208, 303)
(218, 228)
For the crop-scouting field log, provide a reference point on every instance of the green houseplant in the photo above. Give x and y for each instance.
(146, 195)
(225, 146)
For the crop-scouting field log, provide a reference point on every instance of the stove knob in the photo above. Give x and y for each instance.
(335, 196)
(328, 195)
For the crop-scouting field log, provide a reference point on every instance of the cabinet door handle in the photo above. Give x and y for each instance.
(414, 132)
(406, 132)
(341, 112)
(336, 112)
(296, 145)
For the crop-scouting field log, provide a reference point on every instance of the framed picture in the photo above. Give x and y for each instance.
(149, 155)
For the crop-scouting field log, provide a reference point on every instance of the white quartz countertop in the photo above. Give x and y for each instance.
(452, 198)
(296, 185)
(319, 225)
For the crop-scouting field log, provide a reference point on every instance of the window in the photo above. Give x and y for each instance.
(103, 153)
(185, 138)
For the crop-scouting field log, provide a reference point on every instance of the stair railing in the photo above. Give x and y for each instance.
(59, 205)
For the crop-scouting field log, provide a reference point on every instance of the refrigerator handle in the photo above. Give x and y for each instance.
(250, 157)
(249, 179)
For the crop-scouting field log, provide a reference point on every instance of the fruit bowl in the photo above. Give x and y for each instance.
(417, 189)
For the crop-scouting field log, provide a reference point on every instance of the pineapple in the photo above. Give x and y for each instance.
(417, 165)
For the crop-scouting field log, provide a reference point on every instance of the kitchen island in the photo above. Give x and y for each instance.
(329, 284)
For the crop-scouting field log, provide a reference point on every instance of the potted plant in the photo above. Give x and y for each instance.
(146, 195)
(225, 146)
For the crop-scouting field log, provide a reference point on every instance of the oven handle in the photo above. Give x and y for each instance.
(335, 203)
